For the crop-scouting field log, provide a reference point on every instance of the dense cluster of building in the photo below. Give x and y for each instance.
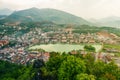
(19, 54)
(64, 36)
(3, 42)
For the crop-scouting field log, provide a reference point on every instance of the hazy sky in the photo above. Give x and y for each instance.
(82, 8)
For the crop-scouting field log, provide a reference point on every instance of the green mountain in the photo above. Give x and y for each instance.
(39, 15)
(3, 16)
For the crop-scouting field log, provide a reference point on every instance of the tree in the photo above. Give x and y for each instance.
(85, 76)
(26, 73)
(89, 60)
(89, 48)
(38, 63)
(70, 67)
(10, 71)
(112, 72)
(8, 78)
(104, 71)
(53, 65)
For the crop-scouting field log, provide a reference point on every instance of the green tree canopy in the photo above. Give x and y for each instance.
(85, 76)
(70, 67)
(89, 48)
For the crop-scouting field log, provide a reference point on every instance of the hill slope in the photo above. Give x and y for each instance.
(39, 15)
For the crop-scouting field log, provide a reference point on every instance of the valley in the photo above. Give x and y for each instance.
(49, 44)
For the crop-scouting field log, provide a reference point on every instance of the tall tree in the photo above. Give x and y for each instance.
(70, 68)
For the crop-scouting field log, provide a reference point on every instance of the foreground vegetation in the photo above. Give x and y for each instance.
(61, 67)
(77, 67)
(10, 71)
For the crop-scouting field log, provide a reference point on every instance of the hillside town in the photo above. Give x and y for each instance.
(59, 40)
(19, 53)
(63, 36)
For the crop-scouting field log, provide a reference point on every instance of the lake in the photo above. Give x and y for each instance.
(64, 47)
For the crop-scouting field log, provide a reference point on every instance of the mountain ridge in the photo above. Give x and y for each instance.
(111, 21)
(45, 14)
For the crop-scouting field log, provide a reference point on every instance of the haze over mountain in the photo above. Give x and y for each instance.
(55, 16)
(5, 11)
(112, 21)
(46, 14)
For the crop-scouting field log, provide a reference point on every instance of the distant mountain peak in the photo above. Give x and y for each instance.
(34, 8)
(46, 14)
(110, 21)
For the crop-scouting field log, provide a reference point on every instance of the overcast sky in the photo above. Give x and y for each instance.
(82, 8)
